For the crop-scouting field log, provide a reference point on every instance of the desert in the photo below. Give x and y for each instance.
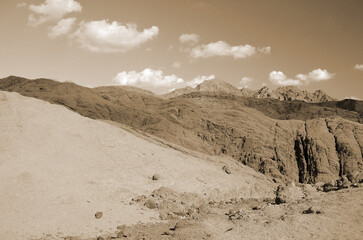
(126, 165)
(181, 120)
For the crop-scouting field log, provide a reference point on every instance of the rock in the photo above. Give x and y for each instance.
(167, 233)
(352, 177)
(359, 178)
(288, 194)
(120, 234)
(112, 236)
(174, 227)
(139, 199)
(150, 203)
(127, 233)
(156, 177)
(327, 187)
(343, 182)
(258, 207)
(101, 238)
(310, 210)
(319, 186)
(98, 215)
(227, 169)
(333, 183)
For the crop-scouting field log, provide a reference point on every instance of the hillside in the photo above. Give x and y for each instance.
(287, 140)
(57, 169)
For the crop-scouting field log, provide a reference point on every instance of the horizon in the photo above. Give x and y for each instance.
(160, 94)
(146, 45)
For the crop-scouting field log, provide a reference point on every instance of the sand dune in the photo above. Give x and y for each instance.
(58, 168)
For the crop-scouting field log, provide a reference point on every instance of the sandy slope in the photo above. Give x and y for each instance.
(58, 168)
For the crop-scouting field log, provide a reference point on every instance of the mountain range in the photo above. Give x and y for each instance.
(282, 137)
(288, 93)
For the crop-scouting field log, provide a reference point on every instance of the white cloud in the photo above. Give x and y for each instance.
(359, 67)
(221, 48)
(315, 76)
(104, 37)
(245, 82)
(198, 80)
(63, 27)
(320, 75)
(52, 10)
(279, 78)
(177, 65)
(154, 80)
(21, 5)
(265, 50)
(189, 38)
(302, 77)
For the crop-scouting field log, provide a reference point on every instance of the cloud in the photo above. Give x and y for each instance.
(302, 77)
(154, 80)
(101, 36)
(317, 75)
(245, 82)
(221, 48)
(265, 50)
(198, 80)
(177, 65)
(189, 38)
(52, 10)
(21, 5)
(279, 78)
(320, 75)
(359, 67)
(63, 27)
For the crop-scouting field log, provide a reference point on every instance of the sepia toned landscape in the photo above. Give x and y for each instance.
(193, 136)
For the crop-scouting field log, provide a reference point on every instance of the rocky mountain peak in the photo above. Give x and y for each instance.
(216, 85)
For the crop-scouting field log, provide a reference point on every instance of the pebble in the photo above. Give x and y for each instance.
(98, 215)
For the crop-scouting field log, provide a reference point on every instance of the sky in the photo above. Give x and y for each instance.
(162, 45)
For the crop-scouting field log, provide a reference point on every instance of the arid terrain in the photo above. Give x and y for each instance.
(211, 162)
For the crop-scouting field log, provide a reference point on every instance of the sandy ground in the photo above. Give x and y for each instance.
(335, 215)
(57, 169)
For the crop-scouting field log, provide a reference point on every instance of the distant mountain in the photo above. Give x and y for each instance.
(288, 93)
(214, 85)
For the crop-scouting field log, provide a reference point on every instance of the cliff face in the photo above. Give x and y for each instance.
(297, 141)
(317, 150)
